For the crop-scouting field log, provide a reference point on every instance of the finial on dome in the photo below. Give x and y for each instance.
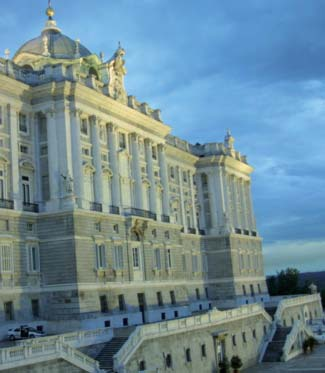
(50, 11)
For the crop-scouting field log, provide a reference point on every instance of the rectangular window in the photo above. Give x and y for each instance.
(118, 257)
(84, 127)
(98, 226)
(22, 123)
(104, 157)
(35, 308)
(203, 351)
(197, 293)
(33, 258)
(244, 290)
(86, 152)
(6, 258)
(195, 263)
(122, 140)
(24, 149)
(100, 256)
(121, 302)
(1, 116)
(252, 290)
(234, 342)
(9, 311)
(103, 304)
(26, 189)
(102, 133)
(185, 176)
(259, 288)
(136, 259)
(160, 299)
(44, 150)
(172, 297)
(244, 337)
(184, 263)
(168, 259)
(2, 185)
(157, 259)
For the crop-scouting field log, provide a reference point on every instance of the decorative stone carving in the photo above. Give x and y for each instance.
(67, 183)
(117, 71)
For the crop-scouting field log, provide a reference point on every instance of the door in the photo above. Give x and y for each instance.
(142, 306)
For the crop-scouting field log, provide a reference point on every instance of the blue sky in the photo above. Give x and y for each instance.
(254, 66)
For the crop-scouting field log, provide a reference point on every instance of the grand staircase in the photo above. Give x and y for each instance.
(274, 349)
(105, 356)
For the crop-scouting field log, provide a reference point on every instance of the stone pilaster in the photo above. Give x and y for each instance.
(181, 192)
(53, 159)
(192, 191)
(77, 157)
(97, 158)
(151, 176)
(136, 169)
(15, 175)
(164, 178)
(113, 160)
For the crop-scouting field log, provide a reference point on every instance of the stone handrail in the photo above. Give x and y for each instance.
(75, 339)
(292, 302)
(291, 339)
(210, 318)
(29, 354)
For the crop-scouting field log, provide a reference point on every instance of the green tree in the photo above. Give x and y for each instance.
(288, 281)
(272, 284)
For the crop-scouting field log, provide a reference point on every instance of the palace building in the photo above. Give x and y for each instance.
(106, 218)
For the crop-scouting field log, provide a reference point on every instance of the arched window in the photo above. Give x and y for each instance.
(142, 365)
(188, 355)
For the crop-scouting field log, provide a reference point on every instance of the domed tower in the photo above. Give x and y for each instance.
(51, 45)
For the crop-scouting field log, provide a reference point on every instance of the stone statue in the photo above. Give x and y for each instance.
(68, 183)
(117, 71)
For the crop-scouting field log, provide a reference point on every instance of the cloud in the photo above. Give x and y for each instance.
(304, 255)
(254, 66)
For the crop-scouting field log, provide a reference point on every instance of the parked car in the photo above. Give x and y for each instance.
(24, 332)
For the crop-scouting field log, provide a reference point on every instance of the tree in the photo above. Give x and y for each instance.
(272, 284)
(288, 281)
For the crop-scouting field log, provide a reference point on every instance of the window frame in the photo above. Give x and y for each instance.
(33, 258)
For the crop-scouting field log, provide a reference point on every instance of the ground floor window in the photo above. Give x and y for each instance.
(9, 311)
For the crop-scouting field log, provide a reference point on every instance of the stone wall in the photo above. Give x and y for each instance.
(55, 366)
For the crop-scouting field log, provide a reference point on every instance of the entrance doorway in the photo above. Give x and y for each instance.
(142, 306)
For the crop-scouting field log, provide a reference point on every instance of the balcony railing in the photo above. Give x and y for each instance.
(138, 212)
(6, 204)
(114, 210)
(191, 230)
(165, 219)
(30, 207)
(94, 206)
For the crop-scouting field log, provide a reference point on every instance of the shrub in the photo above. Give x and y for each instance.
(236, 363)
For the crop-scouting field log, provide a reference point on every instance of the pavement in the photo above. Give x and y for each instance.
(314, 362)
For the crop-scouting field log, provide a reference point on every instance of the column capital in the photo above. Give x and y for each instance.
(112, 127)
(94, 119)
(148, 141)
(161, 147)
(77, 112)
(134, 136)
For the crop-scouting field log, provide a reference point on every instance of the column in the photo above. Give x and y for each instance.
(37, 173)
(219, 195)
(151, 176)
(243, 204)
(136, 171)
(194, 217)
(223, 176)
(63, 130)
(181, 192)
(164, 178)
(77, 157)
(53, 161)
(233, 187)
(212, 200)
(113, 160)
(250, 207)
(202, 212)
(15, 179)
(97, 158)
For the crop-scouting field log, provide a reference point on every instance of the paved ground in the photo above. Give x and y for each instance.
(314, 362)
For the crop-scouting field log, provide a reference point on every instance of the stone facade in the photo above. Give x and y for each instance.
(106, 218)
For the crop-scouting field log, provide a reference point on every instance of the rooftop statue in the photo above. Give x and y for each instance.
(117, 71)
